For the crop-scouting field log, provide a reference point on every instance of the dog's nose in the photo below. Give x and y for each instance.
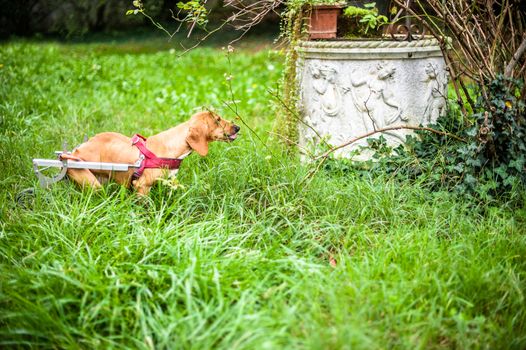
(236, 128)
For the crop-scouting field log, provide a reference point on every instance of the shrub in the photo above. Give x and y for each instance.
(490, 162)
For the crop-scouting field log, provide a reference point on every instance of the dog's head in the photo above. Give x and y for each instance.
(206, 127)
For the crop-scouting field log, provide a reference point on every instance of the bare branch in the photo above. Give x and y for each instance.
(488, 39)
(515, 58)
(294, 114)
(391, 128)
(323, 157)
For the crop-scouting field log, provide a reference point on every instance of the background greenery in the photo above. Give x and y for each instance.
(73, 18)
(244, 255)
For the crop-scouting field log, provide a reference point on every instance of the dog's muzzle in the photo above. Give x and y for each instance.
(233, 136)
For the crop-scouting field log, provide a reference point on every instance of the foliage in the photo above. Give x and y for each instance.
(68, 17)
(292, 30)
(487, 40)
(487, 50)
(243, 256)
(323, 2)
(488, 164)
(366, 18)
(196, 12)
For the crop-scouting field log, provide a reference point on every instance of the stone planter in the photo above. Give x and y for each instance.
(350, 88)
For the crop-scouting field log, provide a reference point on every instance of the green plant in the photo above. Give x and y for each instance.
(492, 161)
(487, 162)
(365, 19)
(196, 12)
(482, 44)
(323, 2)
(242, 256)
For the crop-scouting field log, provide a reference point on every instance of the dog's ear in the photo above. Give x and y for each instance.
(197, 139)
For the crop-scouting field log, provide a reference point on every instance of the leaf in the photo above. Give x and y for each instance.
(129, 12)
(470, 179)
(502, 171)
(518, 163)
(474, 162)
(332, 261)
(458, 168)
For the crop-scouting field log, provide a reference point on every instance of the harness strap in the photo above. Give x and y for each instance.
(150, 159)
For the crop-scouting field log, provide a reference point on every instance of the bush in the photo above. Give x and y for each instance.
(488, 163)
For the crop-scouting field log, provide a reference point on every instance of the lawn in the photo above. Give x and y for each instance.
(242, 255)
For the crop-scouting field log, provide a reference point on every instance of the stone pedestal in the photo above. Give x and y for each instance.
(350, 88)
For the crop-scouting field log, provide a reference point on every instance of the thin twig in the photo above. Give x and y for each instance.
(390, 128)
(295, 115)
(235, 109)
(515, 58)
(305, 150)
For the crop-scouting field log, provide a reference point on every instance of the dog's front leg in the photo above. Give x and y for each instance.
(143, 184)
(141, 187)
(143, 190)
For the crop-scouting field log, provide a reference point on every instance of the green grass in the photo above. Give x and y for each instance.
(240, 257)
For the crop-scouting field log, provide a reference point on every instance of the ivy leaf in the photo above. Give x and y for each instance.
(518, 163)
(458, 168)
(472, 132)
(510, 181)
(474, 162)
(470, 180)
(502, 171)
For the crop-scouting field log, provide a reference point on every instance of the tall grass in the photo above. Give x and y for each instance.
(242, 256)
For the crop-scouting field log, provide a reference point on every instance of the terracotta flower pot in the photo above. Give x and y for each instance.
(323, 21)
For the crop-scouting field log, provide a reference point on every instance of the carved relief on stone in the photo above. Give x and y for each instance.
(327, 88)
(351, 88)
(324, 103)
(374, 97)
(435, 99)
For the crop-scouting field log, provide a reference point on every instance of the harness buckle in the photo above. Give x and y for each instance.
(138, 167)
(139, 161)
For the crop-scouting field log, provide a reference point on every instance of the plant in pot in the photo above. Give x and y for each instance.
(323, 19)
(363, 22)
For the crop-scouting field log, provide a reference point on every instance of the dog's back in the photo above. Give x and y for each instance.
(107, 147)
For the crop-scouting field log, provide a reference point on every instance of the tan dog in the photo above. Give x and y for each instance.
(192, 135)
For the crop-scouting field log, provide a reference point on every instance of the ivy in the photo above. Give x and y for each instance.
(489, 164)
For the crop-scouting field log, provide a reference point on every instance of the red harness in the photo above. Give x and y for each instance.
(150, 160)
